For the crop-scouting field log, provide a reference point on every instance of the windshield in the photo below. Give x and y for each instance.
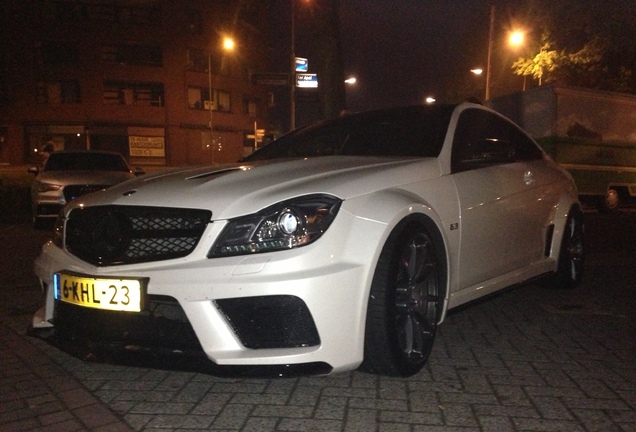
(417, 131)
(81, 161)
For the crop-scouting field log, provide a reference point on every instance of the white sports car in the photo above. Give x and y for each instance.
(341, 245)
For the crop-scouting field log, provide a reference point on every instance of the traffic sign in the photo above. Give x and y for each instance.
(301, 64)
(307, 80)
(273, 79)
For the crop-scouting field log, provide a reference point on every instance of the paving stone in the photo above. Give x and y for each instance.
(180, 421)
(495, 424)
(260, 424)
(551, 407)
(331, 407)
(286, 411)
(430, 418)
(545, 425)
(232, 416)
(310, 425)
(511, 363)
(162, 408)
(456, 414)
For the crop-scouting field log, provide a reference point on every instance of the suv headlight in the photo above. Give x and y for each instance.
(48, 187)
(286, 225)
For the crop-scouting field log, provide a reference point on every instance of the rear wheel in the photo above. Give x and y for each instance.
(612, 200)
(404, 303)
(571, 256)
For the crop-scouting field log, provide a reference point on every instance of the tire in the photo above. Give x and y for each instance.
(571, 256)
(405, 302)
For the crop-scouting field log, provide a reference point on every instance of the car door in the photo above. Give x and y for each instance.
(498, 173)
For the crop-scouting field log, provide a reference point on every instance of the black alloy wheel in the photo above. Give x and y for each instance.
(405, 303)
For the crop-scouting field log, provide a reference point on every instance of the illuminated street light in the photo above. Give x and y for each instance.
(430, 100)
(477, 71)
(516, 38)
(351, 80)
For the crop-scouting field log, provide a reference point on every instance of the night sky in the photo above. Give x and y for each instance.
(403, 51)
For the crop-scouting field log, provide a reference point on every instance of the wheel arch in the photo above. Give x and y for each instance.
(560, 218)
(398, 208)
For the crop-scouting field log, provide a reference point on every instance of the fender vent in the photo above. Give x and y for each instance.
(549, 236)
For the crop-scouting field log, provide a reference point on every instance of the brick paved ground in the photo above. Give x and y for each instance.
(528, 360)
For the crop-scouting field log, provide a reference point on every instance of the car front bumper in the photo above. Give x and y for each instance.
(299, 306)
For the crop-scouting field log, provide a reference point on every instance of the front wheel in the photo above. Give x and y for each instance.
(404, 303)
(571, 256)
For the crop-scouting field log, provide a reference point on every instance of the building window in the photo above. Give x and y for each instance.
(139, 16)
(54, 52)
(67, 11)
(58, 92)
(129, 93)
(251, 107)
(144, 55)
(199, 60)
(194, 22)
(199, 99)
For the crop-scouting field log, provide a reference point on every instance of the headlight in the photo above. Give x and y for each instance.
(286, 225)
(48, 187)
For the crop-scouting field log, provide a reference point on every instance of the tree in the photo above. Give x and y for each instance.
(544, 63)
(594, 41)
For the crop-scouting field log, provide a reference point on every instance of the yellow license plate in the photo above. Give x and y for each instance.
(99, 293)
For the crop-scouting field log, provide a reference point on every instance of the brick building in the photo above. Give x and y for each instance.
(147, 78)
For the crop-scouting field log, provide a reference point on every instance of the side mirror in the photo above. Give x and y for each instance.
(139, 171)
(33, 170)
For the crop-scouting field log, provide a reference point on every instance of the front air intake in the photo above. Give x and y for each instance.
(278, 321)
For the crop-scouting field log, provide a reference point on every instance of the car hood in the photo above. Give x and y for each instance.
(239, 189)
(84, 177)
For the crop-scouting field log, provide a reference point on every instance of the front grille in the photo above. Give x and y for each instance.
(115, 235)
(73, 191)
(280, 321)
(162, 324)
(49, 209)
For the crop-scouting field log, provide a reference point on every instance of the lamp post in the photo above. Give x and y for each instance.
(228, 46)
(516, 40)
(490, 40)
(292, 76)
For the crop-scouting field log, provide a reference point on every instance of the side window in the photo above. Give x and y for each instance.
(526, 149)
(484, 139)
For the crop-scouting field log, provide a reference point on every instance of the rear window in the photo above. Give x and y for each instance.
(402, 132)
(85, 162)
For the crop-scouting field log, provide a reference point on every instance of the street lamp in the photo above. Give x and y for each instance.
(228, 46)
(292, 77)
(490, 37)
(516, 38)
